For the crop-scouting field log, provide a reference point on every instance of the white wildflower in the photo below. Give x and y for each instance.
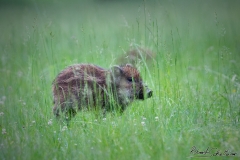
(4, 131)
(19, 74)
(3, 98)
(143, 123)
(114, 124)
(50, 122)
(64, 128)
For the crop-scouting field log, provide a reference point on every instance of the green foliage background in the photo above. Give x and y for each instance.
(194, 76)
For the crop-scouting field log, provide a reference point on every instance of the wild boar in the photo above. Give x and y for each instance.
(84, 86)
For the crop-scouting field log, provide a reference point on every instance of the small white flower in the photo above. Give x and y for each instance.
(156, 118)
(143, 123)
(50, 122)
(144, 118)
(33, 122)
(4, 131)
(1, 113)
(19, 73)
(114, 124)
(3, 98)
(104, 119)
(64, 128)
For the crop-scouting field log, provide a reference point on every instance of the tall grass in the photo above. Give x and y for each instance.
(194, 76)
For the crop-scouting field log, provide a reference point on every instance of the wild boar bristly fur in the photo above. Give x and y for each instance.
(83, 86)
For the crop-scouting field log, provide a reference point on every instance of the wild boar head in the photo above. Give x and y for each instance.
(128, 84)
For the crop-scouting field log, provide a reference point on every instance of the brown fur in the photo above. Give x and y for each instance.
(89, 86)
(137, 55)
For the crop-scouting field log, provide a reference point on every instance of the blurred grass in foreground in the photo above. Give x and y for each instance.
(195, 78)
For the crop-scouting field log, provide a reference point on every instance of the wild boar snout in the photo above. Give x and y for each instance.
(145, 93)
(149, 93)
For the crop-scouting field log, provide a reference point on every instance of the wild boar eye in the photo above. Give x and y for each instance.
(130, 79)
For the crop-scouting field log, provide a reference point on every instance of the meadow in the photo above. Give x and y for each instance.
(195, 108)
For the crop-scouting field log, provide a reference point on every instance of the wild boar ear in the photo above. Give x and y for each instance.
(116, 71)
(130, 65)
(116, 74)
